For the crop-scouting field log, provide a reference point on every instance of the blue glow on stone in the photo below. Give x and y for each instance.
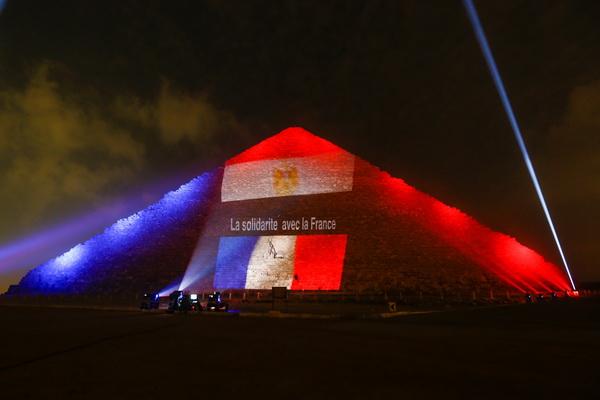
(70, 258)
(76, 270)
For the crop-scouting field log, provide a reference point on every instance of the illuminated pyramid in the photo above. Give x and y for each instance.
(296, 211)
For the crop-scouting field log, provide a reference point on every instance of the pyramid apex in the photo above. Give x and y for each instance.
(289, 143)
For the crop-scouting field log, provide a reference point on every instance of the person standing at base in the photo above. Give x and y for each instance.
(186, 303)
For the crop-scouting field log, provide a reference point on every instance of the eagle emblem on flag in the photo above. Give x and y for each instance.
(285, 180)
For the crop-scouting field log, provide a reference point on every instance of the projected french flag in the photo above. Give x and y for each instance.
(310, 262)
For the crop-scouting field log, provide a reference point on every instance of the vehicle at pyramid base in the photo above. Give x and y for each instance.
(150, 301)
(180, 301)
(215, 303)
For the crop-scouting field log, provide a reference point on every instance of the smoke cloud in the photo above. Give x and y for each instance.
(53, 149)
(571, 168)
(573, 144)
(57, 147)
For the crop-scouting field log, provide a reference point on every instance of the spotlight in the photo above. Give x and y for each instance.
(175, 300)
(194, 303)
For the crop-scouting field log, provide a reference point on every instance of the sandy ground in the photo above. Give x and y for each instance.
(546, 350)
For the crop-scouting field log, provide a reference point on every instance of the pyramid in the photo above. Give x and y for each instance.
(300, 212)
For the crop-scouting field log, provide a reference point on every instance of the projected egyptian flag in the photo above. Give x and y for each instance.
(311, 262)
(321, 173)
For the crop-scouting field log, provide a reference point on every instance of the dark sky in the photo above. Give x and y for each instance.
(106, 105)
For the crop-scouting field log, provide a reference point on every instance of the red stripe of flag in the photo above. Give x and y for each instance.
(319, 261)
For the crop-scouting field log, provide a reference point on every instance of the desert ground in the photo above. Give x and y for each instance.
(545, 350)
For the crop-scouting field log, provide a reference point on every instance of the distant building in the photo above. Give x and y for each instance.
(297, 211)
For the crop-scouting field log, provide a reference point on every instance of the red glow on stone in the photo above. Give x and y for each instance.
(290, 143)
(500, 254)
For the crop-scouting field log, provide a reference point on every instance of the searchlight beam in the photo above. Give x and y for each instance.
(485, 48)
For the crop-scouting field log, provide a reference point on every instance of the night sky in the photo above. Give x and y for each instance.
(107, 105)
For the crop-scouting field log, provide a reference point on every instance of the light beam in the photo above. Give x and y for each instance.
(487, 52)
